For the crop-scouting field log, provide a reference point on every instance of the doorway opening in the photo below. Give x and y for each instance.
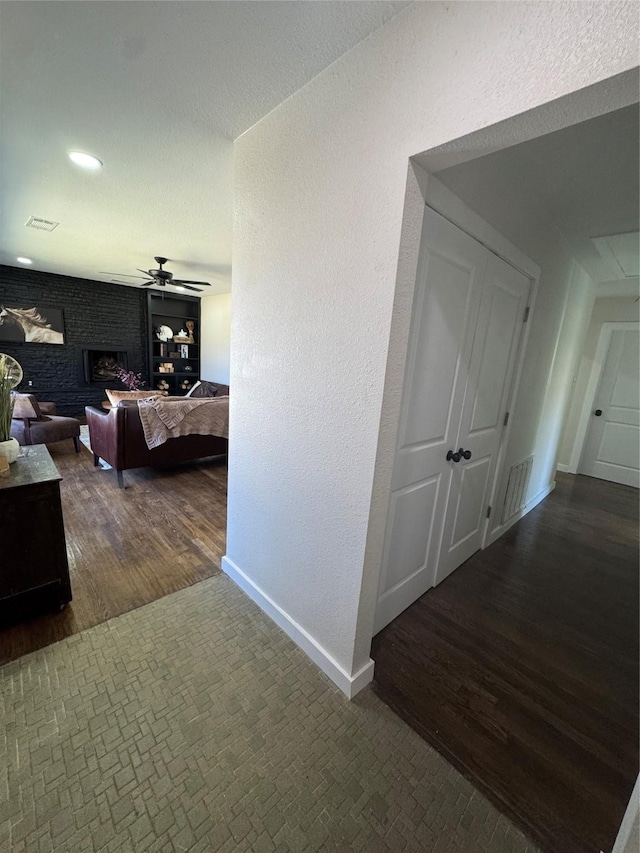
(498, 648)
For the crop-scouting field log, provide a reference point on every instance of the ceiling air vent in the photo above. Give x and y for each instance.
(41, 224)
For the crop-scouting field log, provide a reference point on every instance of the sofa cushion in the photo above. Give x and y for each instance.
(203, 388)
(116, 396)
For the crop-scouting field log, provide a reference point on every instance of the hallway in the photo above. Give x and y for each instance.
(522, 667)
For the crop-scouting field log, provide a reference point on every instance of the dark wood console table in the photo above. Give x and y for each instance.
(34, 573)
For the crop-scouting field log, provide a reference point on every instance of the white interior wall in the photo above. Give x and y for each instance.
(216, 337)
(571, 334)
(605, 310)
(559, 323)
(320, 191)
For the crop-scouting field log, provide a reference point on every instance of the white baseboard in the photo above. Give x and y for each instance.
(563, 468)
(349, 684)
(499, 531)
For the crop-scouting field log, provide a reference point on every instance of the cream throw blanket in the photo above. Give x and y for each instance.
(170, 417)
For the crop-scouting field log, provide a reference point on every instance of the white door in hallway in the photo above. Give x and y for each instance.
(465, 328)
(612, 445)
(505, 292)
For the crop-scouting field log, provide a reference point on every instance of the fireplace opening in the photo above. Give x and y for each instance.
(100, 365)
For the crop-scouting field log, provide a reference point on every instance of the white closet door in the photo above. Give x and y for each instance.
(612, 447)
(493, 358)
(448, 290)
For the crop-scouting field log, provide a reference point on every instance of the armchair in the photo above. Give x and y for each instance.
(38, 423)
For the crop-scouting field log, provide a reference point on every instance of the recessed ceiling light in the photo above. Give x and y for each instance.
(24, 260)
(86, 161)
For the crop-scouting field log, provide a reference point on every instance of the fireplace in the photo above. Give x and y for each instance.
(100, 363)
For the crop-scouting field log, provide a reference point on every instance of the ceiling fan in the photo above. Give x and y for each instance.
(160, 278)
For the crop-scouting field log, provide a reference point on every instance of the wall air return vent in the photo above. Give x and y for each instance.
(516, 496)
(41, 224)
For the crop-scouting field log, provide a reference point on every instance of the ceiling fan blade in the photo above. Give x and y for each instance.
(188, 287)
(188, 281)
(117, 281)
(122, 274)
(146, 272)
(147, 283)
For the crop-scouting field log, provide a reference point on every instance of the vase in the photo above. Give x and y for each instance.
(9, 449)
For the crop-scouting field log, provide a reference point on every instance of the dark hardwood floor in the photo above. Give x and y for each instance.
(522, 667)
(129, 547)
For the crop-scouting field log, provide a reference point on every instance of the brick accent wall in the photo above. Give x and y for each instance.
(95, 313)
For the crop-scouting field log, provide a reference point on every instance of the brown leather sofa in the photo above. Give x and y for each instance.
(116, 435)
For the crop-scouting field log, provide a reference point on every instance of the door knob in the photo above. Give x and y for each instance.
(598, 412)
(452, 457)
(465, 454)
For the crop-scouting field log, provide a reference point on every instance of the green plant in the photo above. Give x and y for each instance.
(6, 403)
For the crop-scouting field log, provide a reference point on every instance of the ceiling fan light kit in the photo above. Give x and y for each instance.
(162, 277)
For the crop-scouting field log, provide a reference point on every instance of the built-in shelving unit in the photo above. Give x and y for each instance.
(168, 309)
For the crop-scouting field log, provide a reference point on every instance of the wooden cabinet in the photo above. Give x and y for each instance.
(34, 573)
(174, 365)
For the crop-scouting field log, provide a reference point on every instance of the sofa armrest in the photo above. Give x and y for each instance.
(104, 432)
(48, 408)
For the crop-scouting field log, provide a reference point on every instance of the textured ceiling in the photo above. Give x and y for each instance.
(583, 180)
(158, 91)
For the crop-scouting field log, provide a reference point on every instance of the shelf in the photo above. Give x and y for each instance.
(177, 373)
(175, 343)
(168, 309)
(175, 314)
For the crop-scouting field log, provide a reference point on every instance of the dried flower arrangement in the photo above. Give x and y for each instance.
(132, 381)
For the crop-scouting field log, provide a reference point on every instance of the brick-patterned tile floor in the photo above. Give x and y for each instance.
(194, 724)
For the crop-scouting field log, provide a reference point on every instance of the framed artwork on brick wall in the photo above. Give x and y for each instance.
(37, 324)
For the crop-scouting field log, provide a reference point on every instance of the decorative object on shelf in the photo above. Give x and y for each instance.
(132, 381)
(190, 329)
(185, 384)
(37, 325)
(165, 367)
(188, 368)
(9, 447)
(184, 350)
(164, 350)
(163, 385)
(175, 354)
(164, 333)
(181, 338)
